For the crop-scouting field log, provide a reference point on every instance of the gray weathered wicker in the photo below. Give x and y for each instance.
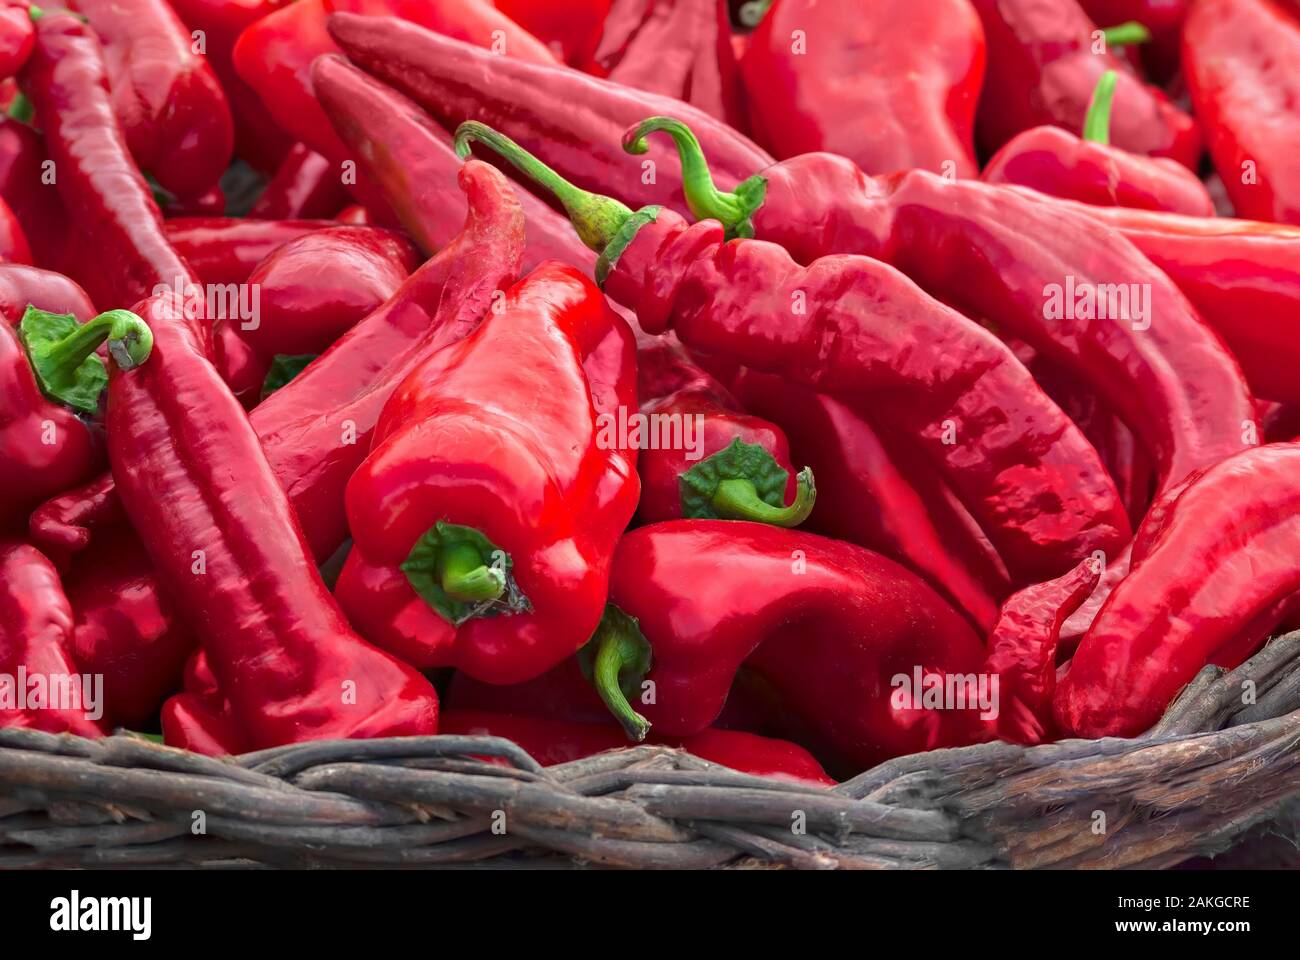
(1225, 758)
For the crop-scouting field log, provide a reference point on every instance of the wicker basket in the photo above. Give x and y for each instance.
(1224, 760)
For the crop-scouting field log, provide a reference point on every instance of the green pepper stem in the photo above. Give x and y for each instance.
(621, 654)
(465, 577)
(753, 12)
(597, 219)
(737, 499)
(35, 12)
(1126, 34)
(1096, 125)
(65, 367)
(734, 210)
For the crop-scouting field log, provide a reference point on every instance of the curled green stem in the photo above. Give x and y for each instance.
(62, 352)
(733, 210)
(738, 499)
(1096, 125)
(616, 660)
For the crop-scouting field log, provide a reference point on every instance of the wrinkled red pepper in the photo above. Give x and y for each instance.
(305, 186)
(224, 250)
(1088, 169)
(882, 83)
(167, 98)
(735, 466)
(1213, 574)
(1023, 470)
(456, 82)
(492, 483)
(1045, 58)
(36, 662)
(677, 48)
(1242, 60)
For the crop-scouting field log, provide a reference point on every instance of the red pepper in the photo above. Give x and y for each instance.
(209, 204)
(314, 289)
(572, 29)
(881, 83)
(223, 250)
(125, 628)
(36, 664)
(243, 369)
(122, 254)
(27, 185)
(456, 82)
(168, 101)
(1090, 170)
(1045, 58)
(410, 157)
(1163, 19)
(231, 552)
(1242, 60)
(882, 496)
(496, 481)
(16, 37)
(732, 465)
(559, 741)
(22, 286)
(677, 48)
(832, 629)
(1025, 472)
(13, 242)
(1213, 574)
(258, 139)
(306, 185)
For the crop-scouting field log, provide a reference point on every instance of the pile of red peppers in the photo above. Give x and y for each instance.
(799, 383)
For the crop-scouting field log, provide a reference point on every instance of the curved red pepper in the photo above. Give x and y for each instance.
(36, 638)
(27, 185)
(1242, 60)
(171, 107)
(1214, 573)
(737, 467)
(224, 250)
(456, 82)
(22, 286)
(559, 741)
(1045, 58)
(492, 482)
(306, 185)
(314, 289)
(16, 37)
(1090, 170)
(881, 83)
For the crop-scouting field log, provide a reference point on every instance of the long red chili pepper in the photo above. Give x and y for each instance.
(35, 650)
(677, 48)
(1214, 573)
(456, 82)
(1242, 59)
(171, 107)
(224, 250)
(1089, 169)
(876, 495)
(493, 483)
(1045, 58)
(230, 550)
(877, 83)
(306, 185)
(990, 433)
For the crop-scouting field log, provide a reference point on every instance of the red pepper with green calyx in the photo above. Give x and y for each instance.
(742, 300)
(1088, 169)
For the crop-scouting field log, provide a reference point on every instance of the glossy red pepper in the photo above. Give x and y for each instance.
(167, 98)
(533, 104)
(22, 286)
(881, 83)
(677, 48)
(1089, 169)
(224, 250)
(1242, 61)
(559, 741)
(13, 242)
(305, 186)
(722, 462)
(1025, 472)
(411, 160)
(1045, 58)
(230, 550)
(499, 484)
(875, 492)
(1213, 575)
(258, 139)
(314, 289)
(212, 203)
(16, 37)
(122, 254)
(572, 29)
(243, 368)
(35, 650)
(27, 185)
